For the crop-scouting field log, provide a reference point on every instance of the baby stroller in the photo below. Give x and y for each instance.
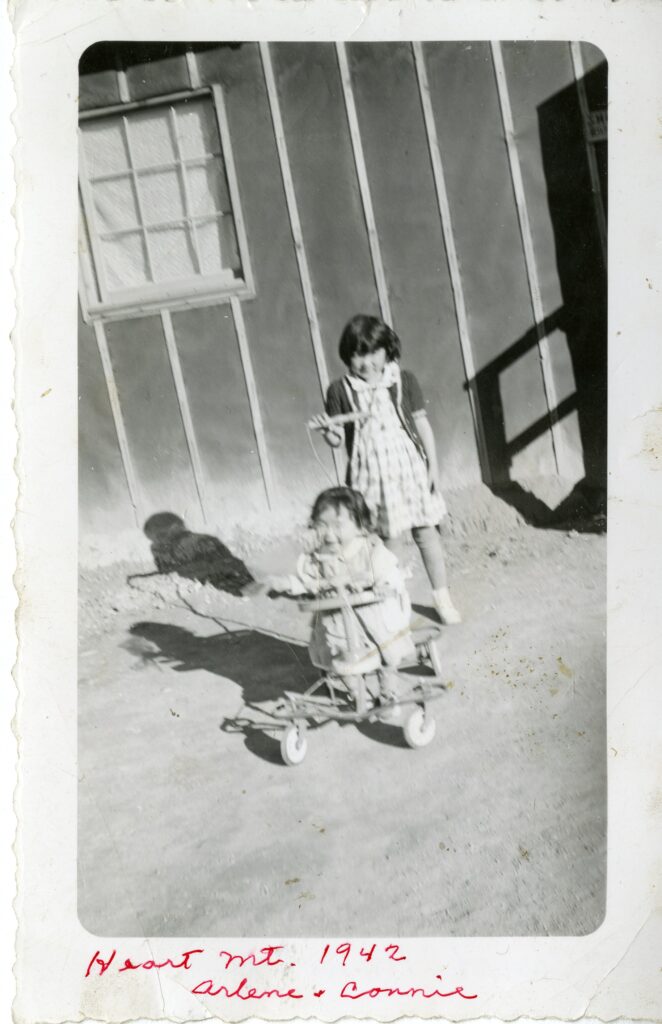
(346, 695)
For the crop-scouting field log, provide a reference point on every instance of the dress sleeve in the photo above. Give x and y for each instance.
(307, 576)
(304, 581)
(411, 393)
(334, 404)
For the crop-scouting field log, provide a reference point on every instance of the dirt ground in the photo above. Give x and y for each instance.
(187, 827)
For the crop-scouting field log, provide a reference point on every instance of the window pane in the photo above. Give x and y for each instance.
(125, 261)
(171, 253)
(158, 202)
(150, 137)
(207, 189)
(161, 196)
(217, 245)
(104, 146)
(197, 129)
(115, 204)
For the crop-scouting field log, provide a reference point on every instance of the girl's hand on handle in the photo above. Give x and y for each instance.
(332, 433)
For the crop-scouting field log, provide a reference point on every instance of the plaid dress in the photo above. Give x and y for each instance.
(386, 467)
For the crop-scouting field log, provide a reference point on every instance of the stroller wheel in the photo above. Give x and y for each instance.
(293, 745)
(419, 729)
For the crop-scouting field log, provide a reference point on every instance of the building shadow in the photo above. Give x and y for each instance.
(581, 318)
(110, 56)
(580, 258)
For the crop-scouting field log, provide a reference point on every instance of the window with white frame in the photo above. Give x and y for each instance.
(162, 225)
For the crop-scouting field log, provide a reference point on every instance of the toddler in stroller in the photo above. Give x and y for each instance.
(361, 632)
(345, 557)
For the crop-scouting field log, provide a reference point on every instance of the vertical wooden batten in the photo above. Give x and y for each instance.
(579, 72)
(118, 420)
(253, 400)
(451, 255)
(297, 233)
(123, 85)
(533, 282)
(364, 184)
(194, 78)
(293, 213)
(185, 411)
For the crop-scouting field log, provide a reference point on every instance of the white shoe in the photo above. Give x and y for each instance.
(446, 610)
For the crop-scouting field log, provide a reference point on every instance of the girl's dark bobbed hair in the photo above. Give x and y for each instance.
(343, 497)
(365, 334)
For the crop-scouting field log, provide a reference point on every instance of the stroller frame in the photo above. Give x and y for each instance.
(354, 696)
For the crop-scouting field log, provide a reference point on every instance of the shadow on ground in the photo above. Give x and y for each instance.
(583, 510)
(263, 665)
(194, 556)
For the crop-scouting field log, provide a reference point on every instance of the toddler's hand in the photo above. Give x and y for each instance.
(255, 588)
(382, 591)
(359, 583)
(433, 477)
(279, 584)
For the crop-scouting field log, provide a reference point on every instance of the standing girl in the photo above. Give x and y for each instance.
(391, 450)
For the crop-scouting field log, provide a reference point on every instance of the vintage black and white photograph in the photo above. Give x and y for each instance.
(342, 478)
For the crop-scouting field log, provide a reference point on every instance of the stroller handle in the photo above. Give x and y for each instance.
(338, 421)
(333, 602)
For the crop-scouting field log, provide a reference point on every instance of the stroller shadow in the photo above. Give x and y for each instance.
(261, 664)
(428, 615)
(380, 732)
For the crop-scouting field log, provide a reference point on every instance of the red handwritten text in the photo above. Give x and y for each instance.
(103, 964)
(150, 965)
(270, 956)
(350, 990)
(145, 965)
(266, 960)
(344, 950)
(207, 988)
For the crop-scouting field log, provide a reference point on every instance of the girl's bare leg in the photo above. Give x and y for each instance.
(428, 541)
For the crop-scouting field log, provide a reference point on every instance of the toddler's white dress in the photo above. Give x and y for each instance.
(384, 626)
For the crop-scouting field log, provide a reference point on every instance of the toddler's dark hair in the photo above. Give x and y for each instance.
(365, 334)
(343, 497)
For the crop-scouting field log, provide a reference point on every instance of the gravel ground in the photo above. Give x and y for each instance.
(497, 828)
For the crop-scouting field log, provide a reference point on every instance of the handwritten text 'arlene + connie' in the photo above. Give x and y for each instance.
(344, 955)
